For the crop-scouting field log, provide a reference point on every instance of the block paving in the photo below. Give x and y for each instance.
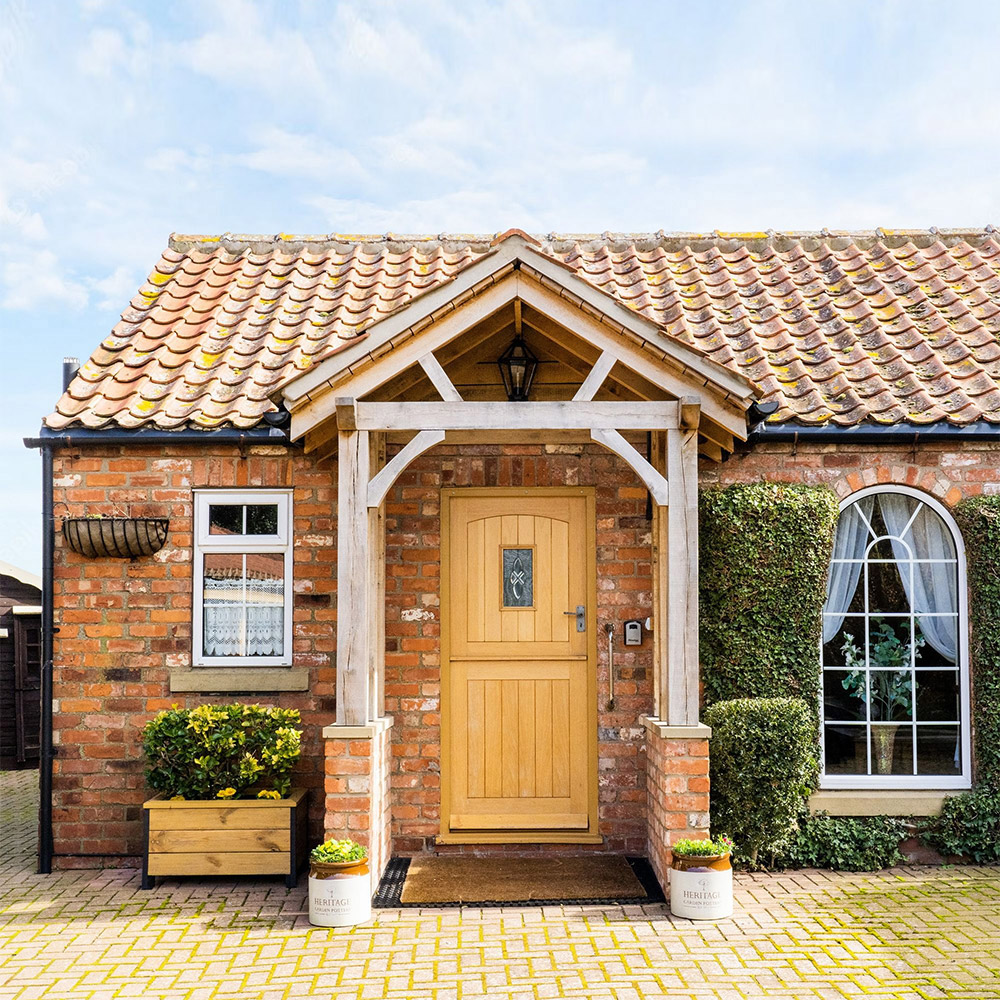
(910, 934)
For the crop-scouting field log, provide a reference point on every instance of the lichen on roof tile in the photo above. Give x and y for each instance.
(836, 327)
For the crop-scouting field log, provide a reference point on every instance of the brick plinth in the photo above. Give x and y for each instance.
(676, 789)
(357, 788)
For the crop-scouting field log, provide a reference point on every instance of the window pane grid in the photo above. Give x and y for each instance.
(884, 675)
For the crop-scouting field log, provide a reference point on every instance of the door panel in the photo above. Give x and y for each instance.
(519, 683)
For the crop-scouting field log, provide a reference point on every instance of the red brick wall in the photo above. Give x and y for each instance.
(413, 663)
(677, 783)
(948, 471)
(123, 624)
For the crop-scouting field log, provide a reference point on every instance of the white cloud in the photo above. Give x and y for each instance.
(173, 160)
(118, 287)
(104, 51)
(291, 154)
(37, 281)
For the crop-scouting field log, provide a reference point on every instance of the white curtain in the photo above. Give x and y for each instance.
(851, 541)
(248, 622)
(933, 586)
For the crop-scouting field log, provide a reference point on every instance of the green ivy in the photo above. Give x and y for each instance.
(222, 751)
(763, 763)
(969, 826)
(845, 843)
(764, 555)
(979, 519)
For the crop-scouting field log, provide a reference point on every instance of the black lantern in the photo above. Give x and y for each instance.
(517, 368)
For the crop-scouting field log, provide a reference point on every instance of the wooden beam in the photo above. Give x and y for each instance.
(690, 413)
(354, 597)
(594, 380)
(557, 415)
(347, 413)
(655, 482)
(369, 373)
(680, 703)
(643, 362)
(376, 586)
(439, 379)
(383, 480)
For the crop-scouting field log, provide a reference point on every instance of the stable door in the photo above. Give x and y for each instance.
(519, 684)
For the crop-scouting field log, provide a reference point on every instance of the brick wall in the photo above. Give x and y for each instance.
(677, 785)
(948, 471)
(413, 663)
(124, 624)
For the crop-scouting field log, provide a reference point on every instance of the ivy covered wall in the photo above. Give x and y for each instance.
(979, 520)
(764, 555)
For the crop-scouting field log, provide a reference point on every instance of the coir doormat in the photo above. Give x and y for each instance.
(464, 880)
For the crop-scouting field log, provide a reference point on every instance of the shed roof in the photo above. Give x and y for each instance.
(843, 328)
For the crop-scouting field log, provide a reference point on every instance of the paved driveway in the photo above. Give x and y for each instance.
(913, 933)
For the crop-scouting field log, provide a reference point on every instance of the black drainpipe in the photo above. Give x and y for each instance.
(276, 433)
(46, 750)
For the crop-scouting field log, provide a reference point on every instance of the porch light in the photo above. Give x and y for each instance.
(517, 368)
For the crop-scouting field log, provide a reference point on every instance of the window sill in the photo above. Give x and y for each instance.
(239, 680)
(879, 802)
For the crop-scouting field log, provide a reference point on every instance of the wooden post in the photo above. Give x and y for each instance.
(376, 587)
(680, 696)
(661, 581)
(354, 579)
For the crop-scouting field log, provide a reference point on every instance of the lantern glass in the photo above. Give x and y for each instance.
(517, 369)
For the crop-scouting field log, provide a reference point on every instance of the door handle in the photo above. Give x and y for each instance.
(581, 617)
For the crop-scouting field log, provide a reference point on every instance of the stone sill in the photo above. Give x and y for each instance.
(365, 732)
(879, 802)
(239, 680)
(696, 732)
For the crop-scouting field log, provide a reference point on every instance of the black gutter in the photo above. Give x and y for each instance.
(117, 435)
(898, 434)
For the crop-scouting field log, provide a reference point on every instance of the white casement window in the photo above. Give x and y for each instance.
(242, 578)
(895, 691)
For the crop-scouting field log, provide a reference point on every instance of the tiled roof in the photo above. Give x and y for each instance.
(844, 328)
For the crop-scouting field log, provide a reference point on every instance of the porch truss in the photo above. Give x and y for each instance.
(363, 397)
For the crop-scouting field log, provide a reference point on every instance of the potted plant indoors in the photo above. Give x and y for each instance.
(701, 879)
(340, 890)
(225, 805)
(887, 684)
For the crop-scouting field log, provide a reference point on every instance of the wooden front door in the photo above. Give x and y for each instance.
(519, 742)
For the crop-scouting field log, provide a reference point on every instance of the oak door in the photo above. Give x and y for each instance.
(519, 684)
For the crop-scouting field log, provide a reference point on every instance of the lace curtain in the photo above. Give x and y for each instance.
(244, 617)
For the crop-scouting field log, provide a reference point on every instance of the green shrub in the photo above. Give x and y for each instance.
(979, 519)
(338, 851)
(222, 751)
(845, 843)
(763, 764)
(707, 848)
(969, 825)
(764, 555)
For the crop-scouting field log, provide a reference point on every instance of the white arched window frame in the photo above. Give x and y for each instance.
(908, 781)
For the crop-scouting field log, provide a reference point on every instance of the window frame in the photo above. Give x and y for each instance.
(205, 543)
(860, 782)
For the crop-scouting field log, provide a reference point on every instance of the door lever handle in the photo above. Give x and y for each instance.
(581, 617)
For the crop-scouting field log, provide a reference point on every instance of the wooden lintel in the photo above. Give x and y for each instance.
(595, 379)
(383, 480)
(556, 415)
(347, 413)
(655, 481)
(439, 379)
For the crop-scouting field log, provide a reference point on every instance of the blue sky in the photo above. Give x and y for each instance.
(125, 122)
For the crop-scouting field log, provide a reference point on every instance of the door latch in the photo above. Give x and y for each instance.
(581, 617)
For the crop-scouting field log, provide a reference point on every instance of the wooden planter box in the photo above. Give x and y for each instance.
(239, 837)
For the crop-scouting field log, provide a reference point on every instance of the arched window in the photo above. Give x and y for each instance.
(895, 692)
